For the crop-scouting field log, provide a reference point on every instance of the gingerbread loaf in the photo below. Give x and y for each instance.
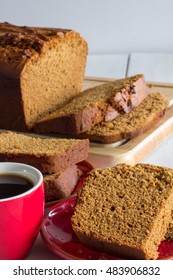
(41, 69)
(101, 103)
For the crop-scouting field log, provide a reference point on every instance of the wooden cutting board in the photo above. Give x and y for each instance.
(133, 151)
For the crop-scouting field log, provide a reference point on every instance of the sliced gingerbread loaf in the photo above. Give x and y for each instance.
(101, 103)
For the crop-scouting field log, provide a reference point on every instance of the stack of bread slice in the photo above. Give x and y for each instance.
(56, 158)
(125, 210)
(109, 112)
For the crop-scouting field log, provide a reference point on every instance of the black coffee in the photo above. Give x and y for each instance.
(12, 185)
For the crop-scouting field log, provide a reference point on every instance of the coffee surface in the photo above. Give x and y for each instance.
(12, 185)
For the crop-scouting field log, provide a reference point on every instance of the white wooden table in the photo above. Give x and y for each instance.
(156, 68)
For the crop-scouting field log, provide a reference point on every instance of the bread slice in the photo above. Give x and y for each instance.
(49, 155)
(124, 210)
(61, 184)
(127, 126)
(41, 69)
(101, 103)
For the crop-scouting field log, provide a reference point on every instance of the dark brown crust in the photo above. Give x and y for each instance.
(24, 41)
(51, 164)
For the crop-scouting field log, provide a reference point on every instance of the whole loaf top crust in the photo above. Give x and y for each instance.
(18, 43)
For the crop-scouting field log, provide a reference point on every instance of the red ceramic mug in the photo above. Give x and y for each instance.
(21, 211)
